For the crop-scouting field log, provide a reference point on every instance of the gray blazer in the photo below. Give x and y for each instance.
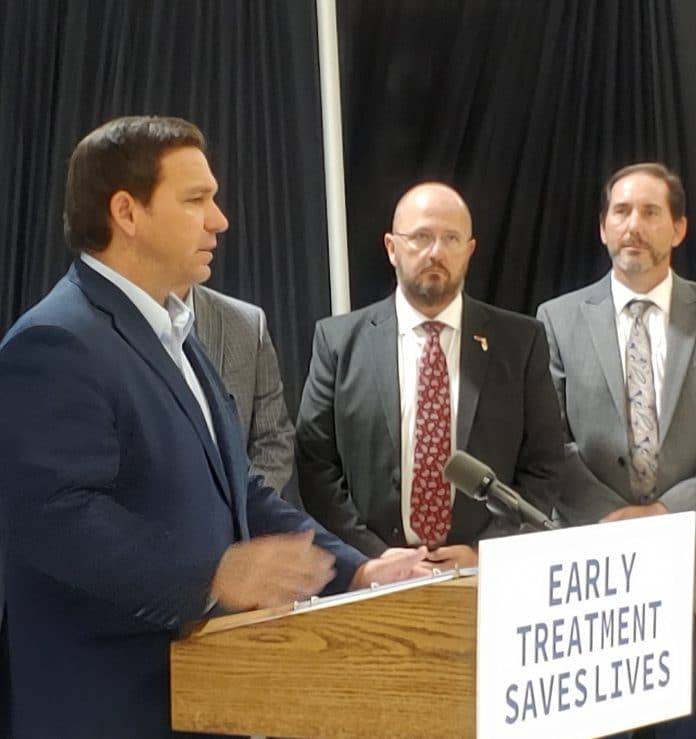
(235, 335)
(349, 428)
(587, 374)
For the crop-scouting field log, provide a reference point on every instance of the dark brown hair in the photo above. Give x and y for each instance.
(122, 154)
(675, 189)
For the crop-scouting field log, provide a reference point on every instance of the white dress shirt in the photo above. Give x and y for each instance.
(656, 319)
(411, 339)
(171, 324)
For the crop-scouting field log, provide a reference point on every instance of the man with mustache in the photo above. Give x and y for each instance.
(369, 467)
(642, 220)
(629, 447)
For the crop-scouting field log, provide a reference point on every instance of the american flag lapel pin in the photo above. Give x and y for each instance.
(483, 342)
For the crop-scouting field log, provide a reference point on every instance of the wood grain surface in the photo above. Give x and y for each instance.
(399, 665)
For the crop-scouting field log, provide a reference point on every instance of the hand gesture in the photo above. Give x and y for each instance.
(271, 570)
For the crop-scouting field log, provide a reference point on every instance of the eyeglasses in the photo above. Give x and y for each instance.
(422, 240)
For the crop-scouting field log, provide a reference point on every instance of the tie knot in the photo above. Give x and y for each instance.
(637, 308)
(433, 328)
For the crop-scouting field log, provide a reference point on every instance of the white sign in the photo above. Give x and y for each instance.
(586, 631)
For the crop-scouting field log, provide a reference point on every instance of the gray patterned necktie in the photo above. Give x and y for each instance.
(643, 438)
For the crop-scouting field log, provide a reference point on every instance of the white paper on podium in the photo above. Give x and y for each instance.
(586, 631)
(353, 596)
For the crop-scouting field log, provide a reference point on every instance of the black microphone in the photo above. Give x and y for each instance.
(479, 482)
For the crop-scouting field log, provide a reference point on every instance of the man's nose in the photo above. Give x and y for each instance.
(216, 220)
(634, 221)
(439, 246)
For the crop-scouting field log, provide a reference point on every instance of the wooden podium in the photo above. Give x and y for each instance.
(399, 664)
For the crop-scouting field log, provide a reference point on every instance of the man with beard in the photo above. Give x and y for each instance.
(622, 361)
(397, 386)
(614, 471)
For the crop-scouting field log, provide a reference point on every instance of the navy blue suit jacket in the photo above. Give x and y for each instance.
(116, 508)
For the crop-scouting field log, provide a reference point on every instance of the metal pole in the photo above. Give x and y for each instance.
(339, 275)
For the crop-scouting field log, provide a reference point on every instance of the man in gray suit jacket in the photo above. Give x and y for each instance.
(355, 429)
(642, 220)
(236, 337)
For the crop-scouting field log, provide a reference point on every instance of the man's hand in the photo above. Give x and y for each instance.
(271, 570)
(455, 555)
(394, 565)
(636, 511)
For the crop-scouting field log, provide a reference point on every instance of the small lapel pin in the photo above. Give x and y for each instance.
(483, 341)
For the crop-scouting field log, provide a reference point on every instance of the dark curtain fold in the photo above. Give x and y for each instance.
(245, 71)
(526, 106)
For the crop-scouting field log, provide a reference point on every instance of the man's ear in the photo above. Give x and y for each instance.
(602, 232)
(680, 228)
(122, 207)
(390, 247)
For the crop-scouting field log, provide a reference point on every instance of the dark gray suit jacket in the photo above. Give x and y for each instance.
(587, 373)
(235, 335)
(349, 427)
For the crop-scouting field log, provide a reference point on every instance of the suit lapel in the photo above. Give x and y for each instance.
(384, 351)
(472, 367)
(231, 450)
(473, 361)
(681, 335)
(598, 313)
(132, 326)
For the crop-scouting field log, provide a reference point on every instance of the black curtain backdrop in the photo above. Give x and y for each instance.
(526, 106)
(246, 71)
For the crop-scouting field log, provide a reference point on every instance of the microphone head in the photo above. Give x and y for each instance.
(469, 475)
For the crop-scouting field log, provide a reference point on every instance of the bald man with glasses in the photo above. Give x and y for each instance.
(397, 386)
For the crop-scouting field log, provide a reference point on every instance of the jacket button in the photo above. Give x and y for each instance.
(621, 461)
(395, 531)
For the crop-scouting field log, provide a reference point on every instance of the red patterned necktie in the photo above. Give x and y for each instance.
(431, 506)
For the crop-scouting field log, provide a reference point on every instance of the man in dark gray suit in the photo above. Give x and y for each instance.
(356, 434)
(590, 333)
(236, 337)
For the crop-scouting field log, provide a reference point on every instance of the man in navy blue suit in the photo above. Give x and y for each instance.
(125, 500)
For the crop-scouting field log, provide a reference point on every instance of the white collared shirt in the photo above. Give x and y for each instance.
(171, 324)
(656, 319)
(411, 339)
